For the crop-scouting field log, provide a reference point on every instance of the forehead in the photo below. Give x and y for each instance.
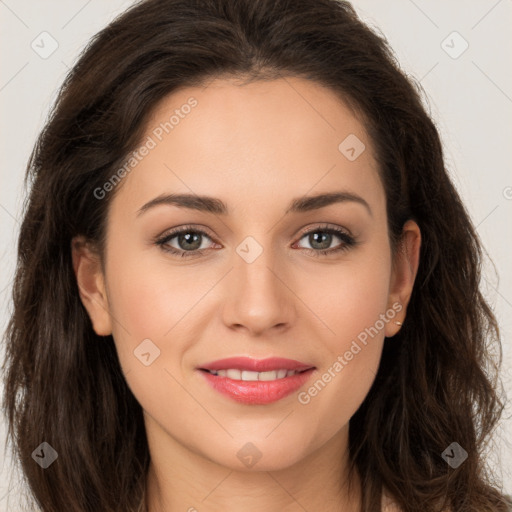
(288, 136)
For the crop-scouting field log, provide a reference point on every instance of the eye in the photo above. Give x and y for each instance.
(320, 244)
(189, 241)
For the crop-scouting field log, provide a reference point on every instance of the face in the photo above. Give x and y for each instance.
(266, 272)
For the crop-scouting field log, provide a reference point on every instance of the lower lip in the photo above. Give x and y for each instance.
(257, 392)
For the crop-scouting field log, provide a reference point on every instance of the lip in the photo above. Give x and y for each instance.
(257, 392)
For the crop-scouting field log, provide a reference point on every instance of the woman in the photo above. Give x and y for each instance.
(247, 371)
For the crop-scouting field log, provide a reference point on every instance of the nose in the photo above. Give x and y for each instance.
(260, 295)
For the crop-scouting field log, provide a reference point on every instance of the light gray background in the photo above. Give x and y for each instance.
(470, 97)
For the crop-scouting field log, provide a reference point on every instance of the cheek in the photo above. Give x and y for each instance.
(349, 297)
(150, 304)
(354, 305)
(150, 296)
(145, 304)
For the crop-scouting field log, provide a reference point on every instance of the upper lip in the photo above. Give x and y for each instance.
(256, 365)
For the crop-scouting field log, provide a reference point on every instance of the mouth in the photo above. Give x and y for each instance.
(256, 382)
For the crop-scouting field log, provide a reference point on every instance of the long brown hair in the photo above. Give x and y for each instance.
(63, 384)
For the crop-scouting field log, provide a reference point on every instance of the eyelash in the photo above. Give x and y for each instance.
(348, 241)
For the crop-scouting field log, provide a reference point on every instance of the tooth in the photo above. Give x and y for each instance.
(251, 376)
(272, 375)
(248, 375)
(234, 374)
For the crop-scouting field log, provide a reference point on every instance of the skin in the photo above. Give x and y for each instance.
(255, 147)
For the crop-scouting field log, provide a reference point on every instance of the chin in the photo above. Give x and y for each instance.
(255, 456)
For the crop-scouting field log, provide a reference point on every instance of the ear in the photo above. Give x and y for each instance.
(405, 268)
(91, 284)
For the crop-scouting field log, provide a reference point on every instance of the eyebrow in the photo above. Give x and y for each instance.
(216, 206)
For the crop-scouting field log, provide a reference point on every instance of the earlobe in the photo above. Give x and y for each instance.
(91, 285)
(405, 269)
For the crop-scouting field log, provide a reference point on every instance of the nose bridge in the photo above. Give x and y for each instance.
(255, 267)
(258, 297)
